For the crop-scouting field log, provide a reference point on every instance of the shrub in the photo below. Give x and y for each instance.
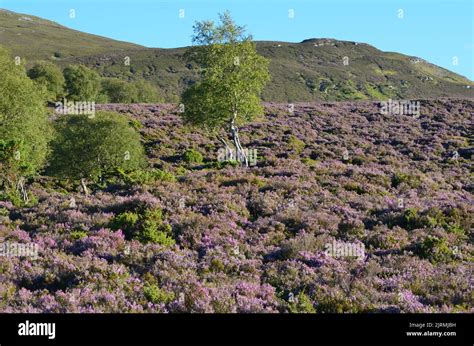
(358, 160)
(301, 304)
(435, 250)
(146, 92)
(77, 235)
(192, 156)
(411, 219)
(137, 125)
(156, 295)
(125, 221)
(24, 127)
(147, 226)
(335, 302)
(290, 249)
(50, 77)
(94, 148)
(399, 178)
(351, 230)
(82, 83)
(119, 91)
(153, 230)
(296, 144)
(356, 187)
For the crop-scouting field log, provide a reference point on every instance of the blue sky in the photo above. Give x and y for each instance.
(436, 30)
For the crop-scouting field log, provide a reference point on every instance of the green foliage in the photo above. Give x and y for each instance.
(94, 147)
(24, 127)
(296, 144)
(146, 177)
(358, 160)
(147, 226)
(153, 230)
(411, 219)
(50, 77)
(192, 156)
(399, 178)
(301, 304)
(335, 302)
(82, 83)
(351, 230)
(125, 221)
(435, 249)
(452, 220)
(232, 76)
(146, 92)
(157, 235)
(116, 90)
(156, 295)
(119, 91)
(137, 125)
(356, 187)
(78, 234)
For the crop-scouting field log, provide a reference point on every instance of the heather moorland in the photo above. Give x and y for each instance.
(198, 234)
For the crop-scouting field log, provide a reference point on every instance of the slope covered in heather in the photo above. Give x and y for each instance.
(315, 69)
(255, 240)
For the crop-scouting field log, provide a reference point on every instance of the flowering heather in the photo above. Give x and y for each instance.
(239, 240)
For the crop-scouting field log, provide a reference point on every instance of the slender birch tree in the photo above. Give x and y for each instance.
(233, 76)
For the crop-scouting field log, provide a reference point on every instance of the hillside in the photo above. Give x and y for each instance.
(256, 239)
(36, 38)
(311, 70)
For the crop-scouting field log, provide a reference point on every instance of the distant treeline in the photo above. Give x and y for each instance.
(80, 83)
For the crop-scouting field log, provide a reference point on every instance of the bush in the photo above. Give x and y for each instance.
(290, 249)
(355, 187)
(125, 221)
(192, 156)
(24, 127)
(145, 92)
(153, 230)
(147, 226)
(411, 219)
(351, 230)
(301, 304)
(50, 77)
(94, 148)
(156, 295)
(119, 91)
(82, 83)
(435, 250)
(296, 145)
(78, 234)
(337, 303)
(399, 178)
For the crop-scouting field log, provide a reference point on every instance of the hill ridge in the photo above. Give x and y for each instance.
(314, 69)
